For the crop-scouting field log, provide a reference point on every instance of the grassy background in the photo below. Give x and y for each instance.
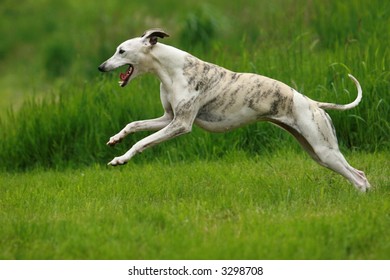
(250, 193)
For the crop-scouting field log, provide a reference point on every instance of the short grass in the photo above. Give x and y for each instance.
(280, 206)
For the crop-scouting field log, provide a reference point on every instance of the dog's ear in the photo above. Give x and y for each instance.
(153, 34)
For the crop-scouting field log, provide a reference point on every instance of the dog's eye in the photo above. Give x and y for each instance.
(121, 51)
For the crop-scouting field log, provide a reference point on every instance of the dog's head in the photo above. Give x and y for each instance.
(135, 54)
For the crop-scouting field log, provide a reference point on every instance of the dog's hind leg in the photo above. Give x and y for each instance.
(334, 160)
(318, 138)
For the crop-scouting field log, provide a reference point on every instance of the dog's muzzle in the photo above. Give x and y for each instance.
(124, 77)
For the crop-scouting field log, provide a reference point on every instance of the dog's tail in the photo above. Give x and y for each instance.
(346, 106)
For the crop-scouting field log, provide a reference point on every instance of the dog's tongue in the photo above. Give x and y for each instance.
(125, 76)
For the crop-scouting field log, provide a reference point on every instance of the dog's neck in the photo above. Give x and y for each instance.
(166, 62)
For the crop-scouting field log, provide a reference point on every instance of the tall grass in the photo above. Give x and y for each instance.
(73, 126)
(73, 110)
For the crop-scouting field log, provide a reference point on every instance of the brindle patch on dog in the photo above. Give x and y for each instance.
(265, 96)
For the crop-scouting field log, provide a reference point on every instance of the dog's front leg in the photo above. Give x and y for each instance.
(154, 124)
(175, 128)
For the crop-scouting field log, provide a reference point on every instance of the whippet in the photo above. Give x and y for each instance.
(218, 100)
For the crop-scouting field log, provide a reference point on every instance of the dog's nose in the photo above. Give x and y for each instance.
(102, 68)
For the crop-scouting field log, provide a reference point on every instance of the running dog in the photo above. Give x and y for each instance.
(218, 100)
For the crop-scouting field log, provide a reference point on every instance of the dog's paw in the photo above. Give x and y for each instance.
(113, 141)
(365, 188)
(117, 161)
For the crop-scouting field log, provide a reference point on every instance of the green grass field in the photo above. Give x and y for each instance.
(282, 206)
(247, 194)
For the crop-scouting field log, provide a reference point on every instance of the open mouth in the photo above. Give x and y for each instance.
(125, 77)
